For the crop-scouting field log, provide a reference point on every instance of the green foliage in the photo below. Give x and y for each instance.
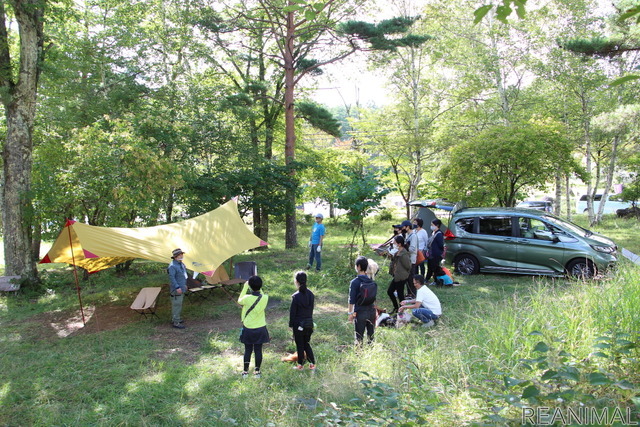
(318, 117)
(309, 64)
(104, 172)
(263, 183)
(385, 215)
(502, 162)
(376, 34)
(503, 11)
(381, 405)
(362, 193)
(561, 380)
(596, 46)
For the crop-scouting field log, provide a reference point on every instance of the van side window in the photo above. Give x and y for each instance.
(465, 224)
(495, 225)
(528, 227)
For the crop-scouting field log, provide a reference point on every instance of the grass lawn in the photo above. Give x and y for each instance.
(504, 343)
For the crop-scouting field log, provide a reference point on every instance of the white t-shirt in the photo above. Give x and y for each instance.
(422, 239)
(429, 300)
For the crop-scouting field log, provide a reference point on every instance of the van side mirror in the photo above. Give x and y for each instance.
(546, 235)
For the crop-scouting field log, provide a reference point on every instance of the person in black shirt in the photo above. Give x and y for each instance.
(301, 320)
(362, 313)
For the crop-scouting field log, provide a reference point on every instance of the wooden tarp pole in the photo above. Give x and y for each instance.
(75, 272)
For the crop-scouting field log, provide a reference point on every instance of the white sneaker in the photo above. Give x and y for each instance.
(429, 324)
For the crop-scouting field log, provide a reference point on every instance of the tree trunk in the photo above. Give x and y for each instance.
(19, 99)
(170, 202)
(568, 192)
(291, 237)
(557, 208)
(36, 241)
(609, 180)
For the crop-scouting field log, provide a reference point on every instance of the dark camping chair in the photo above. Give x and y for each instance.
(196, 287)
(220, 279)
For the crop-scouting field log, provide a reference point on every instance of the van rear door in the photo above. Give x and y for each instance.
(495, 244)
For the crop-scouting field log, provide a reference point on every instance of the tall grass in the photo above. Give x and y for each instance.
(145, 373)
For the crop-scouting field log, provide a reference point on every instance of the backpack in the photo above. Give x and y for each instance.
(368, 291)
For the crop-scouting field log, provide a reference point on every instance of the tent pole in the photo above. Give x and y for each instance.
(75, 274)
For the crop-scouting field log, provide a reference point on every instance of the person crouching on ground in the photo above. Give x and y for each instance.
(362, 298)
(254, 325)
(399, 269)
(177, 286)
(426, 307)
(301, 320)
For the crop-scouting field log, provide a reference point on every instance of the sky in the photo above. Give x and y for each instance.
(350, 83)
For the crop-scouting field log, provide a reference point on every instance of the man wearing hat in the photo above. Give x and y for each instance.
(177, 286)
(315, 243)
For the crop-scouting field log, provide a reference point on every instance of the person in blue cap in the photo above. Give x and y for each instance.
(315, 243)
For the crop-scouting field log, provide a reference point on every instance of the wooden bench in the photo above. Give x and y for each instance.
(6, 284)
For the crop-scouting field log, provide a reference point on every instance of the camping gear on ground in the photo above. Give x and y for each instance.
(207, 240)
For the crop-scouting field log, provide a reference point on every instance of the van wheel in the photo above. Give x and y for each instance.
(466, 264)
(581, 268)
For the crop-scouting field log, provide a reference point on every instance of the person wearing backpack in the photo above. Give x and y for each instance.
(362, 298)
(254, 324)
(400, 270)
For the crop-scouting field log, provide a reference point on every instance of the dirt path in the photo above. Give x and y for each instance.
(186, 342)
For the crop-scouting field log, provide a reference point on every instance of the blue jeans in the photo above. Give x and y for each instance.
(424, 314)
(314, 254)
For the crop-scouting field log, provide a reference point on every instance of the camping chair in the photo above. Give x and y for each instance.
(7, 285)
(145, 302)
(220, 278)
(242, 272)
(195, 287)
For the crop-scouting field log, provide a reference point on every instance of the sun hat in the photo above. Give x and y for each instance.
(176, 252)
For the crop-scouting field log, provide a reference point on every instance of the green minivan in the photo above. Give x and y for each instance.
(524, 241)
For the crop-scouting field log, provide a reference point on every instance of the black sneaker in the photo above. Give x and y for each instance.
(178, 326)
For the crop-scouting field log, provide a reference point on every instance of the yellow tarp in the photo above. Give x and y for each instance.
(207, 240)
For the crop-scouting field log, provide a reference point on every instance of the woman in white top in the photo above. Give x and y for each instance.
(422, 239)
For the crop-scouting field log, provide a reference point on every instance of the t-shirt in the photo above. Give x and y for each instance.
(316, 232)
(256, 318)
(422, 239)
(429, 300)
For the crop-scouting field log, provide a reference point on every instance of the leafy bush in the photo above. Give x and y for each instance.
(385, 214)
(561, 380)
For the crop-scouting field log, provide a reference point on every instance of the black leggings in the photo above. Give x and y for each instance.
(433, 268)
(302, 339)
(399, 288)
(248, 349)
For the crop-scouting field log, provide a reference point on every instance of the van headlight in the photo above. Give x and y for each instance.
(605, 249)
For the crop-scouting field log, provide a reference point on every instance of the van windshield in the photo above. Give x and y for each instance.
(569, 225)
